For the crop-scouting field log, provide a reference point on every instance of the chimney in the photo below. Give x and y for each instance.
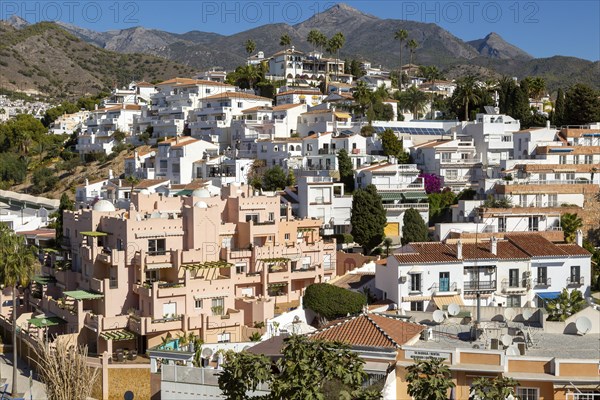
(110, 174)
(459, 249)
(579, 238)
(548, 123)
(87, 182)
(494, 245)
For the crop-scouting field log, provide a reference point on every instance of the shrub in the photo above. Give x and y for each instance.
(333, 302)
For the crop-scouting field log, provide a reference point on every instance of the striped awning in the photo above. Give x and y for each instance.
(416, 298)
(116, 335)
(442, 302)
(151, 267)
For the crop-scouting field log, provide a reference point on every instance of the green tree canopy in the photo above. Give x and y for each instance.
(65, 204)
(498, 388)
(250, 46)
(274, 178)
(570, 223)
(346, 170)
(308, 370)
(392, 146)
(565, 305)
(332, 302)
(414, 228)
(285, 40)
(429, 379)
(413, 100)
(558, 115)
(582, 105)
(368, 218)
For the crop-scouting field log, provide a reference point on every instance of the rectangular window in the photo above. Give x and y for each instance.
(252, 217)
(552, 200)
(446, 157)
(575, 274)
(527, 393)
(513, 277)
(513, 301)
(224, 337)
(542, 177)
(120, 245)
(557, 177)
(542, 276)
(523, 200)
(217, 306)
(444, 281)
(240, 268)
(156, 247)
(197, 303)
(271, 216)
(534, 224)
(287, 236)
(240, 104)
(562, 159)
(163, 164)
(501, 224)
(175, 168)
(570, 176)
(415, 282)
(589, 159)
(451, 174)
(416, 306)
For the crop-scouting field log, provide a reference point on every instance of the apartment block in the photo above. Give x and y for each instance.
(199, 263)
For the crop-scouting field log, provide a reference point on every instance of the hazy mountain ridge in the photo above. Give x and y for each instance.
(367, 37)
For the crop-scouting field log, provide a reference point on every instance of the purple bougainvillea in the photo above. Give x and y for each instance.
(433, 183)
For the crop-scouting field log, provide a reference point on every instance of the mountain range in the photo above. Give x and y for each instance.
(367, 38)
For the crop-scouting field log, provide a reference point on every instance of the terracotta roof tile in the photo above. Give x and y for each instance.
(237, 95)
(370, 330)
(148, 183)
(573, 250)
(305, 92)
(535, 245)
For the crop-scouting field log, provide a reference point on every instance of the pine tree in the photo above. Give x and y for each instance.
(559, 109)
(582, 105)
(414, 228)
(65, 204)
(368, 218)
(346, 170)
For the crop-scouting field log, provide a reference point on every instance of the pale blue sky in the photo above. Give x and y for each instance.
(542, 28)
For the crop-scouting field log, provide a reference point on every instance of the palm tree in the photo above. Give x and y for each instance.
(414, 100)
(387, 243)
(401, 35)
(565, 305)
(250, 46)
(285, 40)
(431, 73)
(467, 92)
(17, 266)
(429, 379)
(334, 45)
(132, 180)
(570, 224)
(412, 46)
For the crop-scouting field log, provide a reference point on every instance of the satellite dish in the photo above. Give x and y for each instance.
(527, 313)
(513, 350)
(246, 348)
(583, 325)
(453, 309)
(507, 340)
(207, 352)
(438, 316)
(509, 314)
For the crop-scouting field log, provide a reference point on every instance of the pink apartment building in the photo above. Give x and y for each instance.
(202, 264)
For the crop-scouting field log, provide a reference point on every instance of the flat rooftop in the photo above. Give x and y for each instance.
(454, 336)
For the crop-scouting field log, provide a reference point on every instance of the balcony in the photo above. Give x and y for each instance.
(171, 289)
(575, 281)
(542, 282)
(514, 287)
(480, 286)
(448, 288)
(97, 285)
(143, 290)
(406, 206)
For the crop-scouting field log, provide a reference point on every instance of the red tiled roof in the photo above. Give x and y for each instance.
(148, 183)
(237, 95)
(370, 330)
(573, 250)
(286, 106)
(535, 245)
(306, 92)
(189, 81)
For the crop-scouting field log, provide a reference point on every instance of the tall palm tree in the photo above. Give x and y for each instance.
(431, 73)
(250, 46)
(467, 92)
(334, 44)
(401, 35)
(412, 99)
(17, 266)
(412, 46)
(314, 37)
(285, 40)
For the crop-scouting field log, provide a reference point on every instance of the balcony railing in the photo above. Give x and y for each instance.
(575, 281)
(542, 282)
(477, 286)
(518, 286)
(450, 287)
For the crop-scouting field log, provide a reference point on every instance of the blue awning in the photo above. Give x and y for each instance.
(548, 295)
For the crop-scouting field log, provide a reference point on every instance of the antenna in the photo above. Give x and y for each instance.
(509, 314)
(207, 352)
(438, 316)
(527, 314)
(453, 309)
(583, 325)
